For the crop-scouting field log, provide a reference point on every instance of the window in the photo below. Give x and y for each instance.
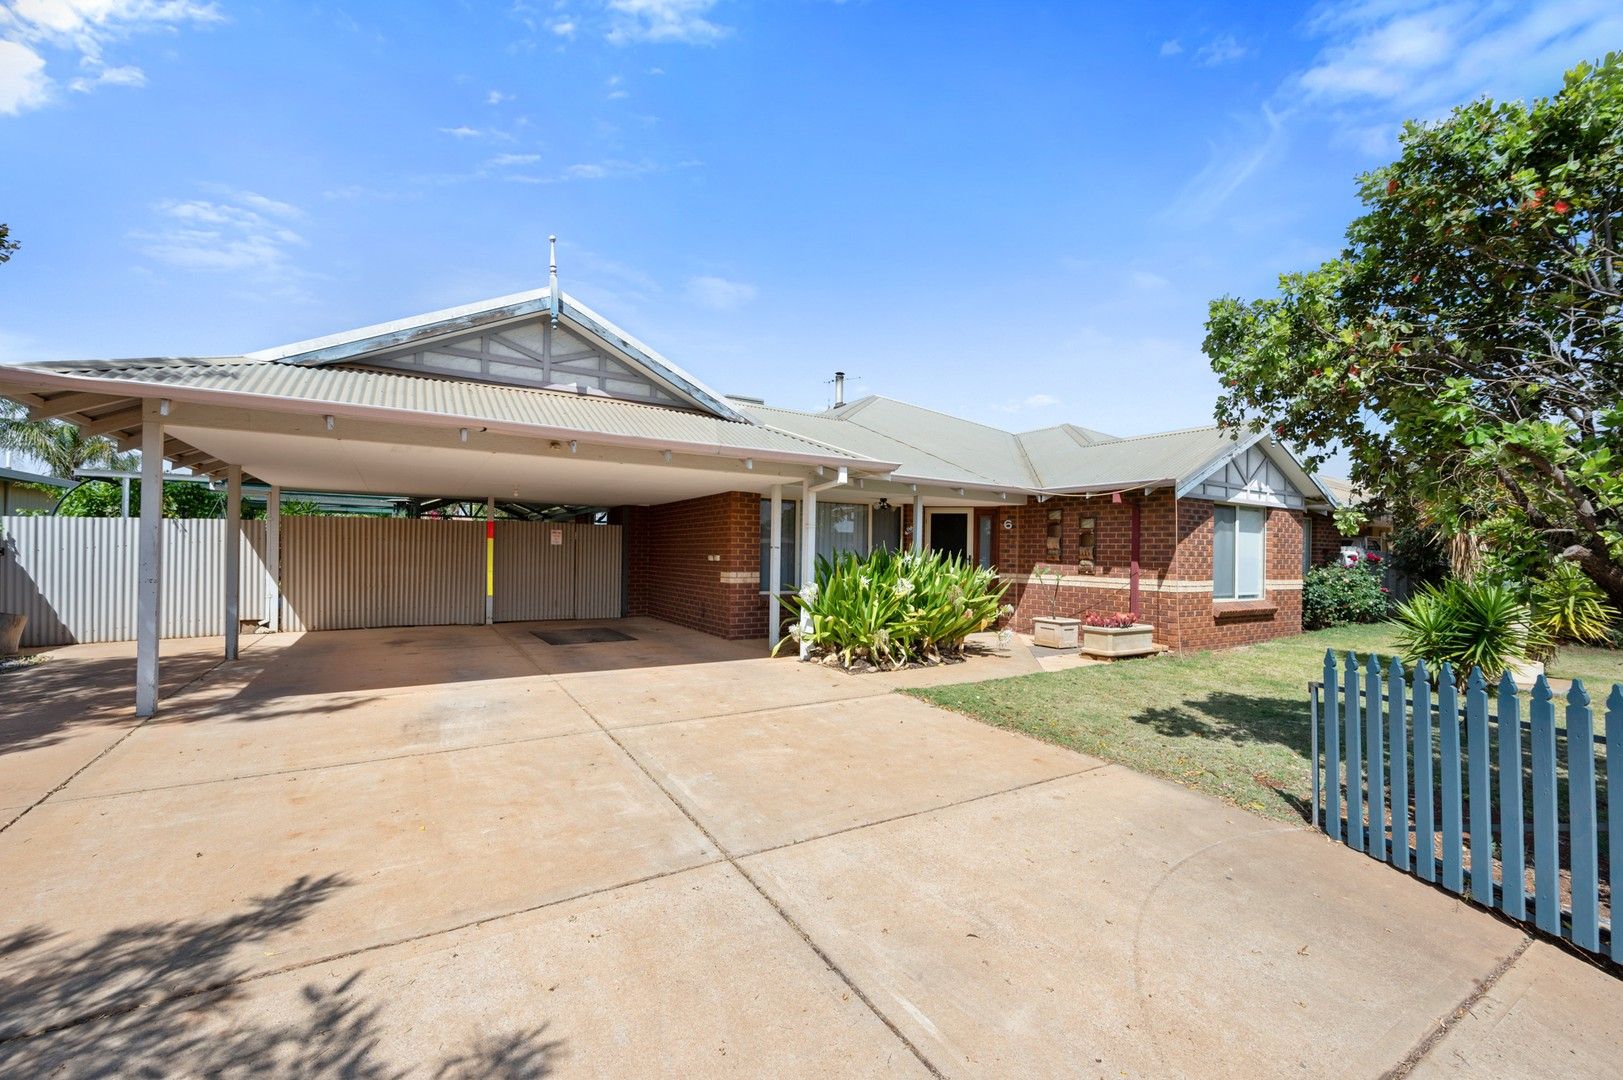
(1307, 543)
(1237, 552)
(790, 572)
(841, 527)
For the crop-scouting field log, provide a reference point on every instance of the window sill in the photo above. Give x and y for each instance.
(1222, 609)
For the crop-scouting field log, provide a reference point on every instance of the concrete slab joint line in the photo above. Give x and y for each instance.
(1434, 1038)
(116, 743)
(827, 960)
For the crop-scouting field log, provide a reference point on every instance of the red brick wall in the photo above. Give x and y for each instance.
(1326, 540)
(672, 575)
(1175, 546)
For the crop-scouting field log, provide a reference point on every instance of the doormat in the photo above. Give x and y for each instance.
(585, 635)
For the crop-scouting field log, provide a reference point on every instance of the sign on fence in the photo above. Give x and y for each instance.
(1398, 775)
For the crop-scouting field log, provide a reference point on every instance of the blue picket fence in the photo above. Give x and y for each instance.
(1438, 784)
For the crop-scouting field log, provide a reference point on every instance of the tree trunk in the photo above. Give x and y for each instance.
(1605, 573)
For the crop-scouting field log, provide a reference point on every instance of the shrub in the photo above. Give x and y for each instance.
(891, 608)
(1478, 624)
(1338, 595)
(1113, 620)
(1569, 606)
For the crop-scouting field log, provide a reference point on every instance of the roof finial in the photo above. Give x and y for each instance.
(552, 280)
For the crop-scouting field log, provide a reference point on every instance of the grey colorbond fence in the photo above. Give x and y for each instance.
(75, 578)
(1508, 799)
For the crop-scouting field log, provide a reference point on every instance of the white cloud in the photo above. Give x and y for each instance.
(1171, 47)
(23, 82)
(718, 293)
(241, 232)
(1147, 280)
(1232, 163)
(680, 21)
(1383, 62)
(496, 97)
(1223, 49)
(461, 132)
(85, 28)
(127, 75)
(564, 28)
(501, 161)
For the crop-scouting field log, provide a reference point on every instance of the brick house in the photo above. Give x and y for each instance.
(544, 410)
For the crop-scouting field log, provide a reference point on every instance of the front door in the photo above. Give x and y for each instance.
(949, 532)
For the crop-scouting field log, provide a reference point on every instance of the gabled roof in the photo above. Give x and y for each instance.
(366, 341)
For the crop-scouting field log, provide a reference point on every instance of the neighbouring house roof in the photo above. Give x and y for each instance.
(1341, 489)
(20, 476)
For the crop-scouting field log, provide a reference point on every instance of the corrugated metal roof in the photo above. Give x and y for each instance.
(1166, 456)
(916, 461)
(977, 449)
(474, 401)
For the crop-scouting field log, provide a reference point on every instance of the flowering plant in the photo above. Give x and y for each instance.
(1112, 620)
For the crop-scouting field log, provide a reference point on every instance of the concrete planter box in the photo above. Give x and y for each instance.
(1055, 632)
(1115, 642)
(11, 633)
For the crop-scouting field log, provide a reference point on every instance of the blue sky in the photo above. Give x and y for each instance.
(1016, 213)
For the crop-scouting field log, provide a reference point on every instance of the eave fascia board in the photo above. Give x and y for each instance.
(14, 376)
(1115, 485)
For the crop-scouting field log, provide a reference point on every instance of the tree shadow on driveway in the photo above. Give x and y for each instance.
(155, 999)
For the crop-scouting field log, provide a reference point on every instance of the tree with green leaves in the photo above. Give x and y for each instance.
(61, 448)
(1466, 348)
(7, 244)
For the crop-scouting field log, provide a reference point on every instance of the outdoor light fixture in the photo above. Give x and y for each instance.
(749, 464)
(464, 434)
(572, 446)
(884, 504)
(330, 422)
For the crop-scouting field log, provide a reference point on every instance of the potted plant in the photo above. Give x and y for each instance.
(1116, 634)
(1053, 631)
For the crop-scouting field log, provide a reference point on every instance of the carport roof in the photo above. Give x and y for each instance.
(389, 395)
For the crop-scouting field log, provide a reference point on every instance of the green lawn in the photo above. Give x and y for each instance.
(1232, 723)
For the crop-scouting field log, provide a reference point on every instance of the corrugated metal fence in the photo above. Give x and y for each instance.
(75, 577)
(1510, 814)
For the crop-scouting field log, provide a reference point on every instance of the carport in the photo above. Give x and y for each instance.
(530, 398)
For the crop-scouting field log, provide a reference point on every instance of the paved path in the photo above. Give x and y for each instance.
(463, 852)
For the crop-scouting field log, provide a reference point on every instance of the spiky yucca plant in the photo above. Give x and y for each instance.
(1569, 606)
(1470, 624)
(890, 608)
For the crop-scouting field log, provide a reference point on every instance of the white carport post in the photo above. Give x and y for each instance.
(918, 522)
(149, 583)
(774, 571)
(808, 562)
(233, 559)
(273, 558)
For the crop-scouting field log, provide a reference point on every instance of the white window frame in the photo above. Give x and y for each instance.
(1239, 593)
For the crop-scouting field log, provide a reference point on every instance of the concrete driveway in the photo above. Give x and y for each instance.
(465, 852)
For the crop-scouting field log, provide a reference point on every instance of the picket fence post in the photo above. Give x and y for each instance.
(1614, 800)
(1332, 749)
(1481, 767)
(1355, 750)
(1546, 861)
(1448, 721)
(1513, 884)
(1398, 741)
(1375, 761)
(1581, 818)
(1425, 825)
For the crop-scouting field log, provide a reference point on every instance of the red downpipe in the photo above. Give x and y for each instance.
(1132, 588)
